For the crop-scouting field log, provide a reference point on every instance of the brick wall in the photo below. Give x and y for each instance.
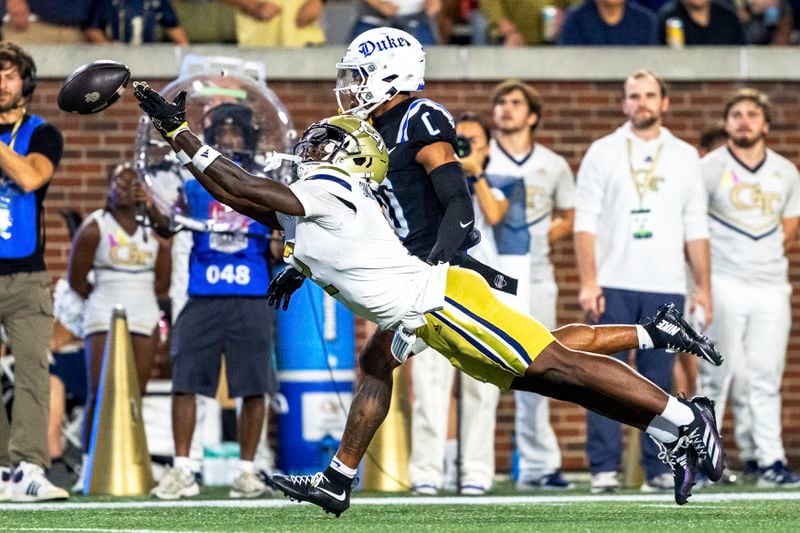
(575, 113)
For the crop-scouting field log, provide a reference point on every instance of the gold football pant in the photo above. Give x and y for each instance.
(480, 335)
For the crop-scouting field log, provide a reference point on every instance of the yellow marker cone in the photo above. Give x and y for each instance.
(391, 447)
(119, 462)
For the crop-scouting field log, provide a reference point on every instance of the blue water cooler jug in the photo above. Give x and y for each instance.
(316, 354)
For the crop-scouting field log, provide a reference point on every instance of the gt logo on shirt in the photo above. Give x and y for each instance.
(750, 196)
(230, 274)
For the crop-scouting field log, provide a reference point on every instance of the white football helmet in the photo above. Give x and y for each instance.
(377, 65)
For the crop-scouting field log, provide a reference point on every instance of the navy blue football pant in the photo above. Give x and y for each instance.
(603, 435)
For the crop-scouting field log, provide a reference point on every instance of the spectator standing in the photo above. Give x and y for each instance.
(227, 312)
(432, 377)
(754, 205)
(30, 150)
(522, 22)
(279, 22)
(705, 22)
(609, 23)
(538, 189)
(640, 202)
(130, 266)
(412, 16)
(134, 22)
(46, 21)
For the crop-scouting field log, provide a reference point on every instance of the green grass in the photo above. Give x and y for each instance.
(722, 514)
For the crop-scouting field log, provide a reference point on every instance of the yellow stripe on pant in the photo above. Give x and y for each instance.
(480, 335)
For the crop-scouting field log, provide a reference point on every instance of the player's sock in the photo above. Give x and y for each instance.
(663, 430)
(677, 412)
(246, 466)
(340, 473)
(186, 464)
(645, 340)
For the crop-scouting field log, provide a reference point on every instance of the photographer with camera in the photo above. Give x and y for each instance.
(433, 375)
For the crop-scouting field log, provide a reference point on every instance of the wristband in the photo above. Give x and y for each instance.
(183, 159)
(172, 134)
(204, 157)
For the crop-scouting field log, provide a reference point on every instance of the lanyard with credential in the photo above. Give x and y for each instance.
(14, 132)
(643, 186)
(641, 216)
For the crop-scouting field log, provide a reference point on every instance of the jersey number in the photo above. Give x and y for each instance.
(240, 274)
(393, 211)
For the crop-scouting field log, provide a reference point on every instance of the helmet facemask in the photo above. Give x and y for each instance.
(358, 93)
(346, 142)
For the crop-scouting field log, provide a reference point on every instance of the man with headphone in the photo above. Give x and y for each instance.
(30, 150)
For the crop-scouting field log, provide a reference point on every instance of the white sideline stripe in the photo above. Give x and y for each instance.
(720, 497)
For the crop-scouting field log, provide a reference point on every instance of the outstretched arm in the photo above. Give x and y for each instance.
(250, 195)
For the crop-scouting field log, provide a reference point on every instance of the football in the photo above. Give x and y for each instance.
(93, 87)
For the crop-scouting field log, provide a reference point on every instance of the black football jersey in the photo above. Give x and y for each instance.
(407, 193)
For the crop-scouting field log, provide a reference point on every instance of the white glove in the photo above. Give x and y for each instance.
(403, 343)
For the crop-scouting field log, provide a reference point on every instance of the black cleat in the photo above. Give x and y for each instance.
(669, 330)
(704, 438)
(682, 459)
(316, 489)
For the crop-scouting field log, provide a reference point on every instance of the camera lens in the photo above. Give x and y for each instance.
(463, 146)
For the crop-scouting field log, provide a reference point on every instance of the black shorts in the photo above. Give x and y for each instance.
(241, 328)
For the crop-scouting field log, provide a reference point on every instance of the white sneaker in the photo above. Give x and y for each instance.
(248, 485)
(661, 483)
(176, 484)
(5, 483)
(30, 485)
(604, 482)
(473, 489)
(424, 489)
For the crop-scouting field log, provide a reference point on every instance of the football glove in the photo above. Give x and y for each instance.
(283, 286)
(169, 118)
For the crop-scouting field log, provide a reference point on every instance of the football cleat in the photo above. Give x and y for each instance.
(682, 459)
(316, 489)
(669, 330)
(704, 437)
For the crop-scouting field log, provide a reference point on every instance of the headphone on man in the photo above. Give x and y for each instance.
(29, 82)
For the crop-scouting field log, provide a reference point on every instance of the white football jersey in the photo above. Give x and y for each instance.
(746, 207)
(346, 246)
(534, 185)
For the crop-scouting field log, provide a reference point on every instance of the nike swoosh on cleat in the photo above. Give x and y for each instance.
(337, 497)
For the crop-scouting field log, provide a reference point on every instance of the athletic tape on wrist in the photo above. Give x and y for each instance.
(204, 157)
(183, 158)
(183, 127)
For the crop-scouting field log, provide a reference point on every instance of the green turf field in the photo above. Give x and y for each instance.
(708, 511)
